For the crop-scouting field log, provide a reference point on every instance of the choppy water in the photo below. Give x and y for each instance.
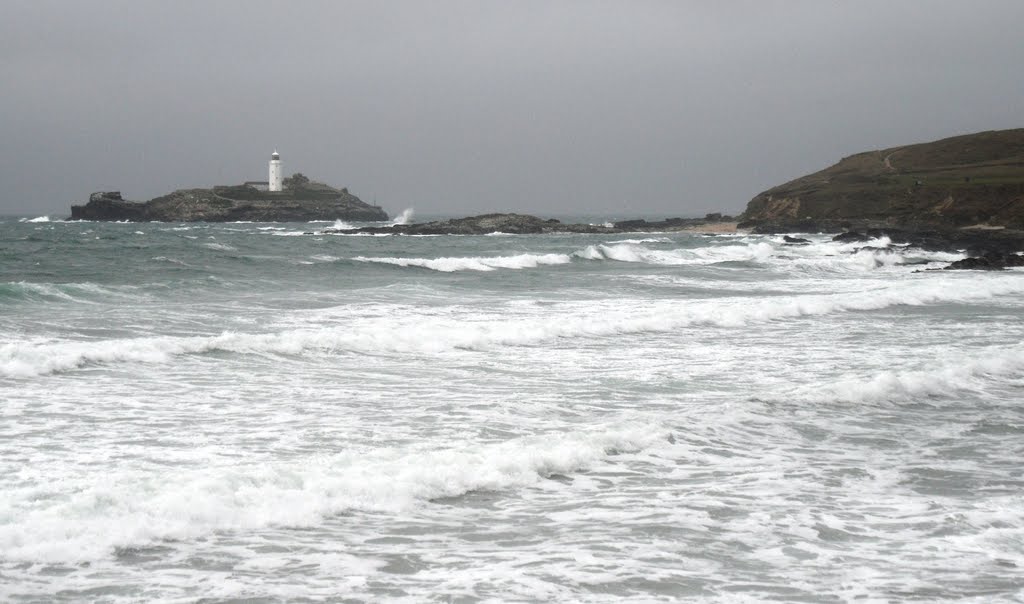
(240, 411)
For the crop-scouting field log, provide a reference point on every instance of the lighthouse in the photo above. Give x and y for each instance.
(276, 180)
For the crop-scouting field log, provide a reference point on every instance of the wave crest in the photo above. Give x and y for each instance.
(481, 263)
(947, 379)
(99, 515)
(432, 336)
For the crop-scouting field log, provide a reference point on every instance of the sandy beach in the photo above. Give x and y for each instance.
(713, 227)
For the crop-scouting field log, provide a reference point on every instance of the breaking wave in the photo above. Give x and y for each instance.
(99, 515)
(818, 257)
(645, 240)
(633, 252)
(222, 247)
(82, 293)
(432, 336)
(448, 265)
(947, 379)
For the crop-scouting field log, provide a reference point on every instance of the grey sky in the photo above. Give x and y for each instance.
(549, 107)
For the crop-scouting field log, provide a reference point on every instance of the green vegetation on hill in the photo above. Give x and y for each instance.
(955, 182)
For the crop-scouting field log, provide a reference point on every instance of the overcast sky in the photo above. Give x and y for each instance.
(550, 107)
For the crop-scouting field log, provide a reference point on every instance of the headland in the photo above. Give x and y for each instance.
(969, 181)
(963, 193)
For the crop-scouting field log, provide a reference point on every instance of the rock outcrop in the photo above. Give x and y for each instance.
(973, 242)
(230, 204)
(991, 261)
(523, 224)
(975, 179)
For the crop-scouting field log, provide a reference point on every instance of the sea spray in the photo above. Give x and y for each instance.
(404, 218)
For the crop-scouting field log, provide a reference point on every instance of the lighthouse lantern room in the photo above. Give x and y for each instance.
(276, 180)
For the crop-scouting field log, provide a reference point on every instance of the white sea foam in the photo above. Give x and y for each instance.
(438, 335)
(946, 379)
(480, 263)
(836, 257)
(311, 458)
(36, 219)
(341, 225)
(99, 513)
(170, 260)
(642, 241)
(633, 252)
(626, 251)
(589, 253)
(223, 247)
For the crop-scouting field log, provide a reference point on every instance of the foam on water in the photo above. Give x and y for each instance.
(222, 247)
(658, 418)
(139, 508)
(433, 335)
(644, 240)
(448, 265)
(947, 378)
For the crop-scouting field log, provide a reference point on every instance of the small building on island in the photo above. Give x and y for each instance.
(276, 176)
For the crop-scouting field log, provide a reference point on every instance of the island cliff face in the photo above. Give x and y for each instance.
(963, 181)
(303, 202)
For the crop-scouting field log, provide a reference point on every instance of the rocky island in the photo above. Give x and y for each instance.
(299, 200)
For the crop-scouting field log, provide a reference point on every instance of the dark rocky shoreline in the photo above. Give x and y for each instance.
(986, 248)
(525, 224)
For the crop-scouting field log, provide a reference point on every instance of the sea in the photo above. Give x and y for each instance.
(260, 412)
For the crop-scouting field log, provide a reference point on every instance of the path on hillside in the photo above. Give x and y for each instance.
(888, 163)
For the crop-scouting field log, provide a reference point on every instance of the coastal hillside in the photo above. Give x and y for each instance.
(969, 180)
(301, 200)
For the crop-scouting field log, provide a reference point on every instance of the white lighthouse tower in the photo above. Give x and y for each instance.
(276, 180)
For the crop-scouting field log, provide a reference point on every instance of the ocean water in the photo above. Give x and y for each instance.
(242, 412)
